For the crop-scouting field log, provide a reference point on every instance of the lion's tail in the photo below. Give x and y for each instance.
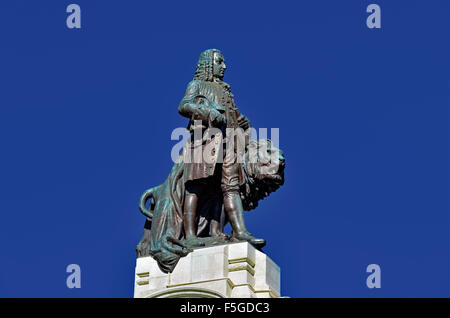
(144, 198)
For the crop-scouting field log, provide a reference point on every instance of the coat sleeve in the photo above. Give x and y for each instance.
(189, 106)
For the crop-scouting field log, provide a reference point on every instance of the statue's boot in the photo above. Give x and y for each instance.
(216, 231)
(189, 218)
(233, 207)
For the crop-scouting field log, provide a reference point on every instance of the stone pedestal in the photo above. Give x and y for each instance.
(235, 270)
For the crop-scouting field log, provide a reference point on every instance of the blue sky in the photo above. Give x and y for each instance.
(86, 117)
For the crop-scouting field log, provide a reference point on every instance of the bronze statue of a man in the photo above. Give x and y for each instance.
(233, 174)
(208, 103)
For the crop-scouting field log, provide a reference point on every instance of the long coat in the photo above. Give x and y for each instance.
(202, 154)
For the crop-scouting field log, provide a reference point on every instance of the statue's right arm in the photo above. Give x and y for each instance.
(188, 108)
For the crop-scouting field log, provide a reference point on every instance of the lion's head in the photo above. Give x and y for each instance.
(264, 167)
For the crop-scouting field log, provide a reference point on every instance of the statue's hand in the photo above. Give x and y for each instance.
(243, 122)
(217, 118)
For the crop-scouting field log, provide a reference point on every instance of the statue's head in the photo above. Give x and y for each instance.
(210, 65)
